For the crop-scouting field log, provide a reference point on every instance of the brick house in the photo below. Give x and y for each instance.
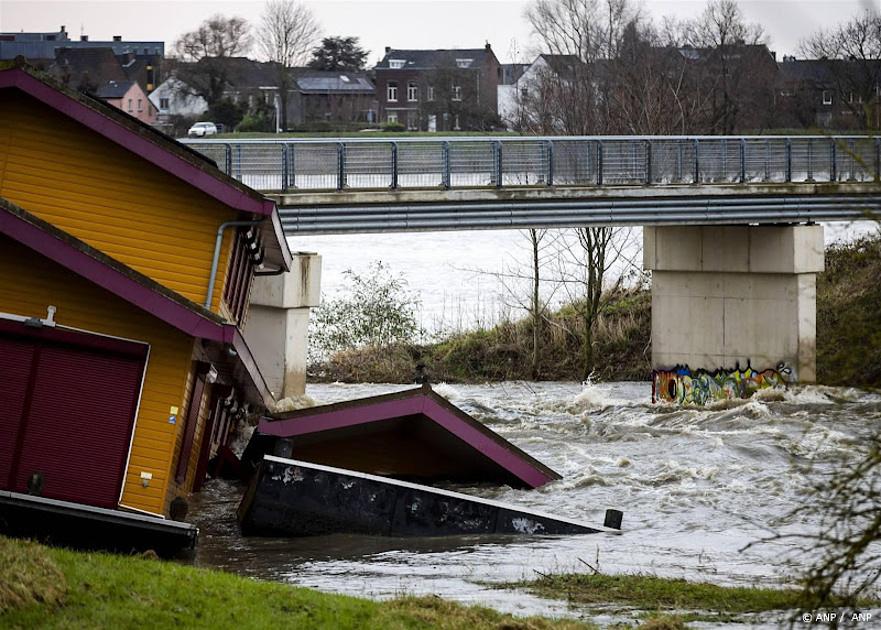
(439, 90)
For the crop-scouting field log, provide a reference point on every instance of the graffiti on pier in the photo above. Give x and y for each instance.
(685, 386)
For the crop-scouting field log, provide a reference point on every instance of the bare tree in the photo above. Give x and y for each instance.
(206, 52)
(851, 53)
(731, 64)
(584, 266)
(288, 32)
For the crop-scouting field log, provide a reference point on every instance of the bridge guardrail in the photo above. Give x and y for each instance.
(292, 165)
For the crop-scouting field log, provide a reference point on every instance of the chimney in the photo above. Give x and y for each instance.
(488, 47)
(62, 29)
(84, 38)
(388, 49)
(117, 38)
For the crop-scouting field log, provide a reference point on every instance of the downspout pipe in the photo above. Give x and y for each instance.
(216, 261)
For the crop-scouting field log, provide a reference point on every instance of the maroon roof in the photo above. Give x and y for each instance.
(412, 416)
(128, 284)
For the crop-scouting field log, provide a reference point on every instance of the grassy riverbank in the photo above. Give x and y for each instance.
(848, 338)
(55, 588)
(504, 351)
(849, 315)
(675, 601)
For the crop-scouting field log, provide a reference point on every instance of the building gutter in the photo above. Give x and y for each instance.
(218, 241)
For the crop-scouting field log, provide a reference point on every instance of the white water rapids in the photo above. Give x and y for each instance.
(695, 486)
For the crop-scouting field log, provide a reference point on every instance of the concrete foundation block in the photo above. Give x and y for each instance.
(299, 288)
(724, 297)
(277, 329)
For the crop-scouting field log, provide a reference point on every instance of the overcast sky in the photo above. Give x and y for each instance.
(397, 23)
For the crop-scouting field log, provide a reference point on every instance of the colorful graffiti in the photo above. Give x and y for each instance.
(685, 386)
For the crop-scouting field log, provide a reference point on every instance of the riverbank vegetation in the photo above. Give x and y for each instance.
(848, 315)
(848, 333)
(675, 601)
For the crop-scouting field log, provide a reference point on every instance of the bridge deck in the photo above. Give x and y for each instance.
(361, 184)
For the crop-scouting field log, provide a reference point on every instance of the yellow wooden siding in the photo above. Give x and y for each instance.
(30, 282)
(110, 198)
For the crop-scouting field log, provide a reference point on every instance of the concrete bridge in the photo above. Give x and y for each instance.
(449, 183)
(730, 233)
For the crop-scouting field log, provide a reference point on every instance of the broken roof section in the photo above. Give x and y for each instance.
(414, 434)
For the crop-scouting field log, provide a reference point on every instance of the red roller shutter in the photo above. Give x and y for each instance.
(75, 410)
(16, 358)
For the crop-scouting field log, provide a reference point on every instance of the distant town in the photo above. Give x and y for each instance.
(713, 75)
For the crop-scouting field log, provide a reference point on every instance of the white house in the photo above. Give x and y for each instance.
(520, 89)
(173, 97)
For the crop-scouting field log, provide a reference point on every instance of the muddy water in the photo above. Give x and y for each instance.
(695, 486)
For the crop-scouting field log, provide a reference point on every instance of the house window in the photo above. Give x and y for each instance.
(391, 93)
(827, 97)
(457, 92)
(140, 105)
(412, 91)
(429, 93)
(464, 63)
(456, 126)
(163, 103)
(396, 64)
(524, 92)
(130, 105)
(411, 121)
(392, 118)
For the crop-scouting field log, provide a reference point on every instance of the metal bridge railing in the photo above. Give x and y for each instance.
(503, 162)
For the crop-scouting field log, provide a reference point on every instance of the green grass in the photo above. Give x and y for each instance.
(649, 592)
(670, 603)
(56, 588)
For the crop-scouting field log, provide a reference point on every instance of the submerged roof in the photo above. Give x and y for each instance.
(130, 285)
(412, 434)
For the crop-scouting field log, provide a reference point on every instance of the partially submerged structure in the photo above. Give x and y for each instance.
(126, 262)
(414, 434)
(296, 498)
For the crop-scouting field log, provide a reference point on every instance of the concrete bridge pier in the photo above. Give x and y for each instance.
(728, 297)
(278, 323)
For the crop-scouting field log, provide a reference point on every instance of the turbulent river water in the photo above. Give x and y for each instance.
(695, 485)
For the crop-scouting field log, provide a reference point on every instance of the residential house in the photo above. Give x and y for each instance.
(829, 93)
(331, 97)
(141, 61)
(126, 262)
(173, 98)
(517, 99)
(128, 97)
(439, 90)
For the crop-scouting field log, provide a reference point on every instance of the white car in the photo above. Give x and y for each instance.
(202, 129)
